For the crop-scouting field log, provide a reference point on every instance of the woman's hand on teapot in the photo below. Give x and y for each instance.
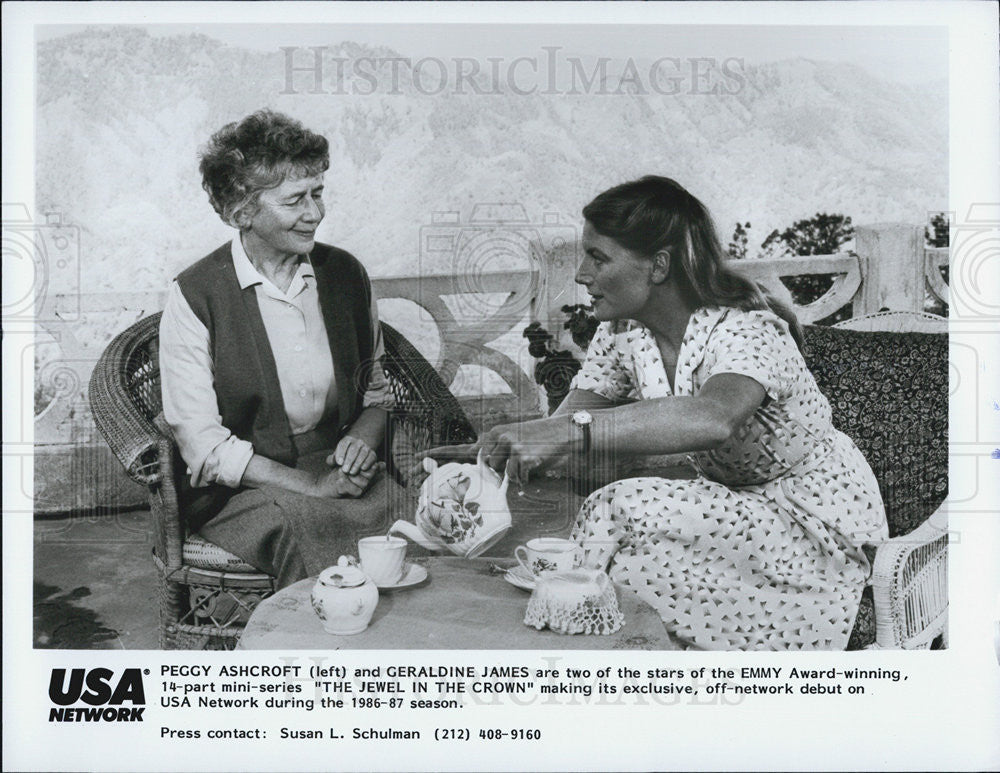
(525, 448)
(352, 455)
(420, 469)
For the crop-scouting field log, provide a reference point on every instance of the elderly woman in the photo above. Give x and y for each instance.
(269, 357)
(762, 550)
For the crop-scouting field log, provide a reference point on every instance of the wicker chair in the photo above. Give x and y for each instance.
(206, 594)
(886, 376)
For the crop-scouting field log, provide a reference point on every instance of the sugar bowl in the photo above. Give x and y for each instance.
(344, 598)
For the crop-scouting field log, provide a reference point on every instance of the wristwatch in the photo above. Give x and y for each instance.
(583, 420)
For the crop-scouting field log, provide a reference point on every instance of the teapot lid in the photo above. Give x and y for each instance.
(343, 575)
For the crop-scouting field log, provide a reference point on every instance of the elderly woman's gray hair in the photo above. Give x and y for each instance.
(246, 157)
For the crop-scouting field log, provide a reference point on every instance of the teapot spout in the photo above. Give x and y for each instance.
(411, 531)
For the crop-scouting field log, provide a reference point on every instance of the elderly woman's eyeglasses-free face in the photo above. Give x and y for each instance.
(286, 219)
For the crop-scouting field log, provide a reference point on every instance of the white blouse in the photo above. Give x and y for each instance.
(297, 334)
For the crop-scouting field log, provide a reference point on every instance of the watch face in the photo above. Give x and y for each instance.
(582, 417)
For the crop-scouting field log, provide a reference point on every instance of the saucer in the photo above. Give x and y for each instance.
(519, 577)
(413, 574)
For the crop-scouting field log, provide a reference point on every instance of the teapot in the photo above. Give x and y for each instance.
(461, 508)
(345, 598)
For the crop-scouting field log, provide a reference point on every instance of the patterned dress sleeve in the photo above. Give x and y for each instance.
(605, 369)
(756, 344)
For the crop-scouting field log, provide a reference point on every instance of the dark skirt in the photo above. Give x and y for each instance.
(293, 536)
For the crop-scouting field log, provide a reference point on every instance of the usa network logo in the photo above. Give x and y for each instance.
(97, 687)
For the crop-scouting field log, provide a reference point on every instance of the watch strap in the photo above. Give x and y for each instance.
(584, 425)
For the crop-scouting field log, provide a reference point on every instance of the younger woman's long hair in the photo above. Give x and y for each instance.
(656, 213)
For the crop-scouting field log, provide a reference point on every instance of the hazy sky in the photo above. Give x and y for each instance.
(899, 53)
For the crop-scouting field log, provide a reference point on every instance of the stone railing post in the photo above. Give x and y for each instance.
(892, 256)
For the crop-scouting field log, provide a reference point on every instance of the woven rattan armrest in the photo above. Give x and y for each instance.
(169, 530)
(426, 414)
(910, 585)
(129, 433)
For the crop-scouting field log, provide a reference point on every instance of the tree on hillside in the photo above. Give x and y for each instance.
(822, 234)
(738, 244)
(936, 234)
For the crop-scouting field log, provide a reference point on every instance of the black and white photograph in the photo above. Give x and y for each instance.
(422, 386)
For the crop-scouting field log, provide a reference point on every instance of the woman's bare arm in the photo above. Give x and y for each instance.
(334, 483)
(581, 399)
(666, 425)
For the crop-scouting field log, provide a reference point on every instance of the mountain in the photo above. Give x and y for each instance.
(121, 114)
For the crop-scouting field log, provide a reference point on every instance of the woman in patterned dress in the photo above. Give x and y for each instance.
(762, 550)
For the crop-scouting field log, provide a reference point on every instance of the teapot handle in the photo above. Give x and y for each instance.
(485, 469)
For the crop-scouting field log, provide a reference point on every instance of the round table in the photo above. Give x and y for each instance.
(463, 605)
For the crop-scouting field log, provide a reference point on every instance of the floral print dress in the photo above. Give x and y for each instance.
(763, 549)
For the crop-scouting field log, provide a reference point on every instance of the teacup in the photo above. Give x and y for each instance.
(382, 558)
(548, 554)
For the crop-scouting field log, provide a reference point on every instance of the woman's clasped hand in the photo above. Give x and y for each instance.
(353, 455)
(353, 467)
(335, 483)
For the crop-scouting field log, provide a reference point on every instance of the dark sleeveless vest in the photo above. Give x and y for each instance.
(246, 378)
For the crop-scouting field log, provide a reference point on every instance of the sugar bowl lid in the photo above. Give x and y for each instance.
(343, 575)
